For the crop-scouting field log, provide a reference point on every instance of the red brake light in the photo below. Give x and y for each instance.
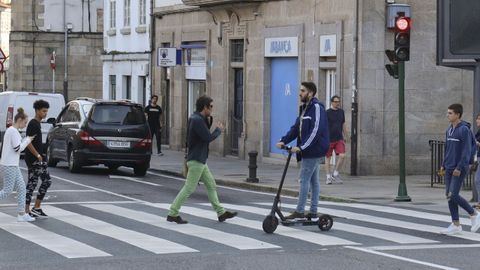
(87, 139)
(145, 143)
(9, 121)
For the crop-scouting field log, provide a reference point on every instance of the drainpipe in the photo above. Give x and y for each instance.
(354, 132)
(152, 46)
(65, 76)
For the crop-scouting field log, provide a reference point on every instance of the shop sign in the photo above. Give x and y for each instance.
(281, 47)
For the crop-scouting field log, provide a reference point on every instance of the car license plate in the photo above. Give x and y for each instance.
(117, 144)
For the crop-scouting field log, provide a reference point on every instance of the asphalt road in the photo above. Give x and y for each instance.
(101, 219)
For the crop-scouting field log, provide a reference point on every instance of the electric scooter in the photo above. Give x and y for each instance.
(270, 223)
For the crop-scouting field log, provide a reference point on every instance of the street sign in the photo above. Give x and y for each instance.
(166, 57)
(52, 61)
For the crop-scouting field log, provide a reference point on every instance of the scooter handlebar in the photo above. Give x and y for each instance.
(287, 147)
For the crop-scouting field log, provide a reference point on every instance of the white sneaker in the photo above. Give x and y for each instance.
(329, 181)
(475, 223)
(452, 229)
(337, 180)
(25, 218)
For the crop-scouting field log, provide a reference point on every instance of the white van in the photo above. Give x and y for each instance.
(10, 101)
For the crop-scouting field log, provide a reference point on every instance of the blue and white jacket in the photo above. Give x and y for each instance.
(312, 132)
(458, 147)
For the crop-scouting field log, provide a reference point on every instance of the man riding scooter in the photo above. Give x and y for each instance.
(311, 131)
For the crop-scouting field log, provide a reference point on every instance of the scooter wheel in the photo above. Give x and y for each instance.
(270, 224)
(325, 222)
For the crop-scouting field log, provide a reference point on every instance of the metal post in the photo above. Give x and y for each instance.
(252, 167)
(53, 81)
(65, 76)
(402, 187)
(476, 91)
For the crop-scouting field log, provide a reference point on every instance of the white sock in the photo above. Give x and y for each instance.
(329, 175)
(335, 173)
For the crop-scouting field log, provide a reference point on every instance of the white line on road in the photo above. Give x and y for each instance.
(413, 247)
(133, 180)
(403, 258)
(62, 245)
(315, 238)
(66, 190)
(140, 240)
(228, 239)
(62, 203)
(361, 230)
(389, 222)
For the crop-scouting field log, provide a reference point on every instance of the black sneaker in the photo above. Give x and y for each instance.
(295, 215)
(39, 213)
(33, 215)
(311, 216)
(176, 219)
(226, 216)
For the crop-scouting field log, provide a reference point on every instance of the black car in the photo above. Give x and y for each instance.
(112, 133)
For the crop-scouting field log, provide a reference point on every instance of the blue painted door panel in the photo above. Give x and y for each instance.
(284, 98)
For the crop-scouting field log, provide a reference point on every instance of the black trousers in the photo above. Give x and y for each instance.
(157, 132)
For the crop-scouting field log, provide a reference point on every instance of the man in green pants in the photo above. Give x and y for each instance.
(198, 139)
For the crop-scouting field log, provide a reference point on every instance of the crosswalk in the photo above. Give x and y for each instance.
(91, 230)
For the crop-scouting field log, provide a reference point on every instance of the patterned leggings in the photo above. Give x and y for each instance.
(37, 170)
(13, 180)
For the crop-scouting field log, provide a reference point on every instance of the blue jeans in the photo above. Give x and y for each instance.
(476, 186)
(453, 184)
(309, 176)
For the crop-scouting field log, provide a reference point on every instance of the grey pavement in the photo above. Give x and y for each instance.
(230, 171)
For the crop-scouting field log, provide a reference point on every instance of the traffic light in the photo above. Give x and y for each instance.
(402, 38)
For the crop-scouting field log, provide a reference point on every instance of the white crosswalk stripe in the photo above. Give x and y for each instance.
(140, 240)
(389, 222)
(376, 233)
(228, 239)
(315, 238)
(62, 245)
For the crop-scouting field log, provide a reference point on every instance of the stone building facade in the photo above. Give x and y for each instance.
(250, 56)
(38, 30)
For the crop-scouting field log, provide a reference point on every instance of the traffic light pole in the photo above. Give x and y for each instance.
(402, 187)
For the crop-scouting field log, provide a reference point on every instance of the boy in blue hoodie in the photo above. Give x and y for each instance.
(311, 131)
(456, 165)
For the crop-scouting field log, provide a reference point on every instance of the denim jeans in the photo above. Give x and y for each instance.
(309, 176)
(476, 186)
(453, 184)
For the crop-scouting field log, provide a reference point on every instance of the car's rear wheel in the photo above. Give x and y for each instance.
(73, 164)
(140, 170)
(51, 162)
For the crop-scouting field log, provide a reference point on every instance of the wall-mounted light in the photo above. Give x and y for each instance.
(390, 1)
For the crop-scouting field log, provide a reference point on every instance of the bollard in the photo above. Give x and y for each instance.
(252, 167)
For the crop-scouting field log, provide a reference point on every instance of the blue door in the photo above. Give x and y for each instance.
(284, 98)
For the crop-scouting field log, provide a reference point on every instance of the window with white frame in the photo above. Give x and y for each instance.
(126, 13)
(143, 12)
(113, 14)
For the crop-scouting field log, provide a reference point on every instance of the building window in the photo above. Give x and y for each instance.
(143, 12)
(113, 87)
(113, 14)
(126, 13)
(236, 50)
(127, 87)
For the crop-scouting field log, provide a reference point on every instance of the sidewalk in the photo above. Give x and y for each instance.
(230, 171)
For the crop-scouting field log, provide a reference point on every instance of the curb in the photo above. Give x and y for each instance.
(254, 187)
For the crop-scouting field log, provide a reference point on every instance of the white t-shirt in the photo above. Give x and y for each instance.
(13, 145)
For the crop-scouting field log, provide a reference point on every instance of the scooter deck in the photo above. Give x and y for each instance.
(300, 222)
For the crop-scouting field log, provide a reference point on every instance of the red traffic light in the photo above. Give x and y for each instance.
(402, 23)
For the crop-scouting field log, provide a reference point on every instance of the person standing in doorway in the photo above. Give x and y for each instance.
(311, 131)
(154, 113)
(198, 140)
(35, 160)
(338, 135)
(455, 165)
(12, 146)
